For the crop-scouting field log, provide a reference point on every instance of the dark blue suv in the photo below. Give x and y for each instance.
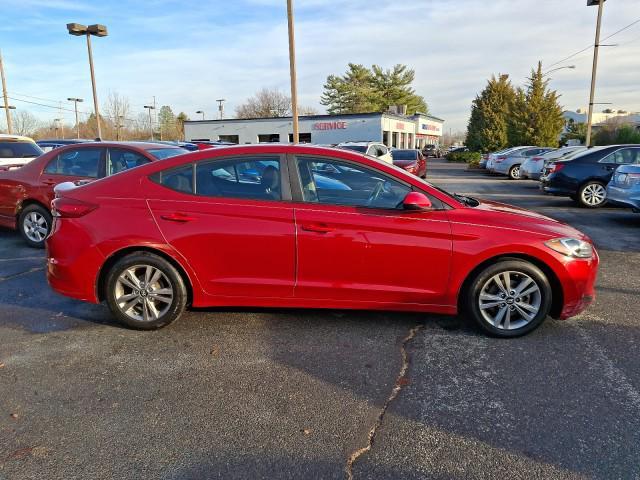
(584, 177)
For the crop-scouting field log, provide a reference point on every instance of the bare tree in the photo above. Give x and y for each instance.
(266, 103)
(116, 113)
(24, 123)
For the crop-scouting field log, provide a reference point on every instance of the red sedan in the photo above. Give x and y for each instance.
(26, 192)
(413, 161)
(304, 226)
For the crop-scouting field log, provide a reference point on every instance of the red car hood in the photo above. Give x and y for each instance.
(521, 219)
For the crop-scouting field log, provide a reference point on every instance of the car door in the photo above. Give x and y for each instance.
(70, 165)
(356, 244)
(232, 220)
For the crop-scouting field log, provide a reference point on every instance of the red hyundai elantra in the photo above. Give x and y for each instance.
(304, 226)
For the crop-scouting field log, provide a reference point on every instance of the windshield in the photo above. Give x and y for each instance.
(404, 154)
(19, 150)
(161, 153)
(357, 148)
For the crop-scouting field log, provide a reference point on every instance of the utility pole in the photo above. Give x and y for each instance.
(220, 108)
(6, 100)
(119, 125)
(600, 4)
(292, 68)
(75, 101)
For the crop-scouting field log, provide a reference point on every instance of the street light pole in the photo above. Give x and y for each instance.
(150, 107)
(75, 102)
(292, 69)
(202, 112)
(97, 30)
(221, 107)
(600, 4)
(559, 68)
(6, 100)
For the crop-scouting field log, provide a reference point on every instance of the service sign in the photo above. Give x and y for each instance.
(330, 126)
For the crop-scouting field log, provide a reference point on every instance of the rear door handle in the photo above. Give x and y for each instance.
(49, 182)
(178, 217)
(316, 227)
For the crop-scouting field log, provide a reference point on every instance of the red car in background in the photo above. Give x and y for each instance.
(413, 161)
(26, 192)
(305, 226)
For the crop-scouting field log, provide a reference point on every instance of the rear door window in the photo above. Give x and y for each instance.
(80, 162)
(121, 159)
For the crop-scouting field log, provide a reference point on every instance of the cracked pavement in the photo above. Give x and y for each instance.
(292, 393)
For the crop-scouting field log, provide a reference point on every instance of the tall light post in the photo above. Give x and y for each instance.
(202, 112)
(6, 101)
(150, 107)
(75, 102)
(559, 68)
(97, 30)
(221, 107)
(600, 4)
(292, 70)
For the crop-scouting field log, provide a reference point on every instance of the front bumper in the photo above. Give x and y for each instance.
(579, 285)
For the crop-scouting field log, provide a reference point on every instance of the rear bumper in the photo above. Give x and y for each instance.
(624, 197)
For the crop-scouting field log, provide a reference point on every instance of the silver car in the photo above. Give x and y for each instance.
(624, 187)
(492, 157)
(510, 165)
(532, 167)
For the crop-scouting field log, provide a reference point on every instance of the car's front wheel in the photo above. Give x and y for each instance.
(592, 195)
(34, 224)
(145, 291)
(509, 298)
(514, 172)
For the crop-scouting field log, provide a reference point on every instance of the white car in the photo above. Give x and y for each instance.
(373, 149)
(17, 150)
(532, 167)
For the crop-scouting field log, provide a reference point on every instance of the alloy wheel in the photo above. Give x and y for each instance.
(515, 172)
(510, 300)
(594, 194)
(143, 293)
(35, 226)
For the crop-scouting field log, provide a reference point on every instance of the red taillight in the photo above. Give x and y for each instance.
(70, 208)
(500, 159)
(556, 167)
(536, 159)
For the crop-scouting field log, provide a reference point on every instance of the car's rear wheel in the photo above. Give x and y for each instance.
(144, 291)
(514, 172)
(592, 195)
(509, 298)
(34, 224)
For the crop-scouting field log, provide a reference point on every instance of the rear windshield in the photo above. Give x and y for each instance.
(19, 150)
(404, 154)
(357, 148)
(161, 153)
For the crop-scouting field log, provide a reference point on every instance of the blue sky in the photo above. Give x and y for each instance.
(189, 53)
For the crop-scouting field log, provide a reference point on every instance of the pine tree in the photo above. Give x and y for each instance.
(488, 125)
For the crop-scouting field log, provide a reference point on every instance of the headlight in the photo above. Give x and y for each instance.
(571, 247)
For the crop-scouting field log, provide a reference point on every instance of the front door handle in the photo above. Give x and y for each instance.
(316, 227)
(178, 217)
(49, 182)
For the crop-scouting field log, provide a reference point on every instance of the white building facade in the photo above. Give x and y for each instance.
(393, 130)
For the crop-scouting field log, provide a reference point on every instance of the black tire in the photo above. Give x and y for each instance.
(583, 198)
(171, 279)
(543, 297)
(514, 172)
(31, 231)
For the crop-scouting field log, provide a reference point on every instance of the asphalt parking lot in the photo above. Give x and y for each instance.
(294, 394)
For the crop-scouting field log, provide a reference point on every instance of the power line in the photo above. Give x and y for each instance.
(591, 46)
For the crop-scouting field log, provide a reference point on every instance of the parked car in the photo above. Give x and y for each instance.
(17, 150)
(412, 161)
(431, 151)
(624, 188)
(373, 149)
(532, 167)
(285, 241)
(491, 158)
(509, 164)
(584, 177)
(26, 192)
(52, 144)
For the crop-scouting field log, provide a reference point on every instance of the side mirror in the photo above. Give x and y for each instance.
(416, 201)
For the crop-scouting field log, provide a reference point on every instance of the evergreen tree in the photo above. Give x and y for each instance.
(362, 90)
(488, 126)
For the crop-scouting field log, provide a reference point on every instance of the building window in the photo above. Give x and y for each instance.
(304, 137)
(229, 138)
(269, 138)
(385, 137)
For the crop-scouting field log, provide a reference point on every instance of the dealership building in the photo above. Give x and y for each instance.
(394, 130)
